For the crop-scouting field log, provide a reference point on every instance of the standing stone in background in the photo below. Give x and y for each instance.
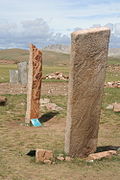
(34, 84)
(88, 64)
(22, 72)
(13, 76)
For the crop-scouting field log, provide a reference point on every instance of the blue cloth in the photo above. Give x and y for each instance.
(36, 122)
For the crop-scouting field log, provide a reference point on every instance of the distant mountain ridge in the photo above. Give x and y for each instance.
(113, 52)
(58, 48)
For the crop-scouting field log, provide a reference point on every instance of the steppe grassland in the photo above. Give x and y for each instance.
(17, 140)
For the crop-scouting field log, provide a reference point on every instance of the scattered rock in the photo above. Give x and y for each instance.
(60, 158)
(53, 107)
(113, 84)
(42, 155)
(50, 106)
(48, 154)
(90, 161)
(47, 161)
(68, 158)
(22, 104)
(118, 149)
(56, 75)
(116, 107)
(110, 106)
(44, 101)
(100, 155)
(3, 100)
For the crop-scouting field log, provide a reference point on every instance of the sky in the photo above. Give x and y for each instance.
(45, 22)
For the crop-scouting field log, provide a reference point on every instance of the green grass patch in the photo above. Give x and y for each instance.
(112, 60)
(53, 69)
(52, 62)
(4, 71)
(112, 76)
(111, 95)
(15, 54)
(17, 140)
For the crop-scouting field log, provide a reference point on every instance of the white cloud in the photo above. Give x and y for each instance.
(32, 31)
(37, 27)
(38, 32)
(117, 29)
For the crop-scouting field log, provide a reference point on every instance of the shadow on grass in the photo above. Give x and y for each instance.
(31, 153)
(107, 148)
(47, 116)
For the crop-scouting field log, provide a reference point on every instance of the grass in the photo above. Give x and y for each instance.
(49, 58)
(111, 95)
(113, 60)
(112, 76)
(52, 62)
(52, 69)
(17, 140)
(14, 54)
(4, 71)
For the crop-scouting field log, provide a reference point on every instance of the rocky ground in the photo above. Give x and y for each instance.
(48, 88)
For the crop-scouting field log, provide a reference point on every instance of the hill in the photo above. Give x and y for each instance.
(15, 54)
(49, 58)
(114, 52)
(58, 48)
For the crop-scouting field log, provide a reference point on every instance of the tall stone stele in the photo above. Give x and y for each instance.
(22, 73)
(34, 84)
(89, 52)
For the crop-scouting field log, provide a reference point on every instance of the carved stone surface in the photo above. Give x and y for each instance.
(22, 72)
(88, 64)
(34, 84)
(13, 76)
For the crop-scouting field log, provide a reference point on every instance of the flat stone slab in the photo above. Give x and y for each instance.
(101, 155)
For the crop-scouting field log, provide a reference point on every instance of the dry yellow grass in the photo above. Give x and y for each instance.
(17, 140)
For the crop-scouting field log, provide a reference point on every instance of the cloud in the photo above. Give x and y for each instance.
(6, 28)
(39, 33)
(37, 27)
(31, 31)
(117, 29)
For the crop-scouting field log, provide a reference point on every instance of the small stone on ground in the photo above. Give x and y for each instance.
(116, 107)
(3, 100)
(100, 155)
(42, 155)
